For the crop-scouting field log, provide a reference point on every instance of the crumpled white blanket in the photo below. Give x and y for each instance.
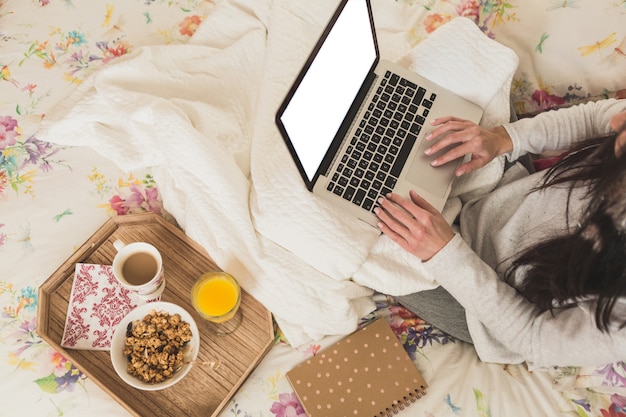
(201, 115)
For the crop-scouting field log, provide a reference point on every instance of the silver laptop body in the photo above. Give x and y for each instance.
(355, 124)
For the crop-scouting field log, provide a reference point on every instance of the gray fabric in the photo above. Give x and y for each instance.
(494, 228)
(438, 307)
(441, 310)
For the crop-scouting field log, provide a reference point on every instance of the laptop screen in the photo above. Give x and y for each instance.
(319, 104)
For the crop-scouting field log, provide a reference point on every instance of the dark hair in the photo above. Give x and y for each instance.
(589, 260)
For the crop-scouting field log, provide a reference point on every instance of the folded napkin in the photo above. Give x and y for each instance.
(98, 303)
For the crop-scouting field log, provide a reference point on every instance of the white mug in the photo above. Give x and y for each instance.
(138, 266)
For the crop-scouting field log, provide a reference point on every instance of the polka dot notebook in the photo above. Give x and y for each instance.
(365, 374)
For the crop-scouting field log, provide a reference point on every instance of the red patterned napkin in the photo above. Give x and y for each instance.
(98, 303)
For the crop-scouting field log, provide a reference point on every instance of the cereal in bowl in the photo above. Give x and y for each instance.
(155, 346)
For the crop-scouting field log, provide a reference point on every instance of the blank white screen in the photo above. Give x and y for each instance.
(314, 114)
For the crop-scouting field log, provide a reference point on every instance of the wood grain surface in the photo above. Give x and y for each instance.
(203, 392)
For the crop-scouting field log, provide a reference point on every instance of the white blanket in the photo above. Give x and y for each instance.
(202, 116)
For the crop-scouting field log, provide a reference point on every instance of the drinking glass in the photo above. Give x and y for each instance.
(216, 297)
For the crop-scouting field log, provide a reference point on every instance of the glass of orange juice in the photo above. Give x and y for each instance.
(216, 296)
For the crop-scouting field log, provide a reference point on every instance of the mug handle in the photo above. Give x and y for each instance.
(118, 245)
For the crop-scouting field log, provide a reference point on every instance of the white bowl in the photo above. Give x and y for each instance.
(120, 362)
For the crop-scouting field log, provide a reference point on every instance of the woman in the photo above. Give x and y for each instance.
(539, 264)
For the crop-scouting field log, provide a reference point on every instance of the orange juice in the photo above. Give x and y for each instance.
(216, 296)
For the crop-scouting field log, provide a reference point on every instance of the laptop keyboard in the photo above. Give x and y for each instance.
(371, 165)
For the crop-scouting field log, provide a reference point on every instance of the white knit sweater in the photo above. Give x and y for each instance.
(505, 327)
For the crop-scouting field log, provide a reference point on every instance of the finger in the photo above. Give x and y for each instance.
(473, 164)
(454, 153)
(445, 119)
(398, 207)
(395, 237)
(448, 125)
(398, 226)
(450, 134)
(422, 203)
(384, 215)
(409, 210)
(391, 227)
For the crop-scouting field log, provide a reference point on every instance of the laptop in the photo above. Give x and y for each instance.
(355, 124)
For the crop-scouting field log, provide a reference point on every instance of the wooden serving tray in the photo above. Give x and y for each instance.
(203, 392)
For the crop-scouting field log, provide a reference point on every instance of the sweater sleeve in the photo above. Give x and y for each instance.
(569, 337)
(557, 130)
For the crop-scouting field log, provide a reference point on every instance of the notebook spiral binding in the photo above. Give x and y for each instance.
(407, 400)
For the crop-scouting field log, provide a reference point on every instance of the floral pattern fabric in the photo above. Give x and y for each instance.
(570, 51)
(459, 384)
(52, 198)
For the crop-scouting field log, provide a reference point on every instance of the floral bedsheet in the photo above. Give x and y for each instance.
(52, 198)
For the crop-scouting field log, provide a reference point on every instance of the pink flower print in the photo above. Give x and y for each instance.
(118, 204)
(30, 88)
(312, 349)
(119, 49)
(8, 134)
(287, 406)
(152, 199)
(619, 401)
(146, 198)
(469, 9)
(435, 20)
(614, 374)
(189, 25)
(9, 122)
(545, 100)
(58, 363)
(612, 412)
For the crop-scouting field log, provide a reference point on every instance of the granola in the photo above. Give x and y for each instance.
(155, 346)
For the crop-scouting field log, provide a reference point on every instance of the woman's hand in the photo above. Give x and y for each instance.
(413, 224)
(466, 137)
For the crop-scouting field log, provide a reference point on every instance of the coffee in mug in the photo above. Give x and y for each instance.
(138, 266)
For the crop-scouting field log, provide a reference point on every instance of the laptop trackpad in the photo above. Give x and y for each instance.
(434, 180)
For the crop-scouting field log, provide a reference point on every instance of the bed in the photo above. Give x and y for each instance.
(110, 108)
